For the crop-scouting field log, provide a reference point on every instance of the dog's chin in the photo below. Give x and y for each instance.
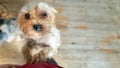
(32, 35)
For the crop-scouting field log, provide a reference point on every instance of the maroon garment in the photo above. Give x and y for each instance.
(40, 65)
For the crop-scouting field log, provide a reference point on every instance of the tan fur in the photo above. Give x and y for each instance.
(39, 45)
(40, 57)
(27, 25)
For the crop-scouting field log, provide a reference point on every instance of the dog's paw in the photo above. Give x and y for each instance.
(40, 57)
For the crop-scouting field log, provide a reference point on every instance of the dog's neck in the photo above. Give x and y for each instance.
(33, 42)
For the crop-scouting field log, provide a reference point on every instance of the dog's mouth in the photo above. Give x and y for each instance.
(30, 33)
(33, 35)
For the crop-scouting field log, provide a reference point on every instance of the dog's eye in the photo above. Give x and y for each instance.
(27, 16)
(44, 14)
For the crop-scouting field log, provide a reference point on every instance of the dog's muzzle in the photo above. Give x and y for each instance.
(38, 27)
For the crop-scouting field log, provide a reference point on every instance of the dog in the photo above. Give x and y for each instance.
(8, 28)
(37, 25)
(8, 25)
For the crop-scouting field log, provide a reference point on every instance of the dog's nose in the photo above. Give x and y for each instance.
(38, 27)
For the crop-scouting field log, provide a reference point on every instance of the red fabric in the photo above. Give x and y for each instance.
(40, 65)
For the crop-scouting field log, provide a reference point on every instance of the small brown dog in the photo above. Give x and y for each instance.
(36, 22)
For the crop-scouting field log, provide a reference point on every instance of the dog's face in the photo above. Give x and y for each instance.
(35, 19)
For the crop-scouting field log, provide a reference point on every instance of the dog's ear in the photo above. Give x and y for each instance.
(54, 11)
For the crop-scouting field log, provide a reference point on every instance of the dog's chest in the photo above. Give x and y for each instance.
(36, 46)
(35, 50)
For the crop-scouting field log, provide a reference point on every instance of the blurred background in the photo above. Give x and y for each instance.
(90, 31)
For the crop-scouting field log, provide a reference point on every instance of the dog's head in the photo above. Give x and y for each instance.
(35, 19)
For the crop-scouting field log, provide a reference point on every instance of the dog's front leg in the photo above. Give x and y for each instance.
(43, 54)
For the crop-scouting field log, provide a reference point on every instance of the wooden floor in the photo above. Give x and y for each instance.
(90, 31)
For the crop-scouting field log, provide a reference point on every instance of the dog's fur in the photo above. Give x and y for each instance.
(43, 44)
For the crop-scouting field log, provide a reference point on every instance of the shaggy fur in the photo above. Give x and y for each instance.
(43, 44)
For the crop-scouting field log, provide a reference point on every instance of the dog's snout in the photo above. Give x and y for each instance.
(37, 27)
